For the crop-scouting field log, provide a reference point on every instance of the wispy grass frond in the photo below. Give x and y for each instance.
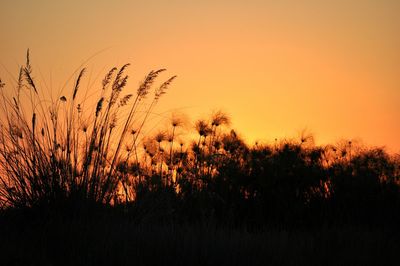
(50, 156)
(27, 70)
(144, 88)
(162, 89)
(78, 80)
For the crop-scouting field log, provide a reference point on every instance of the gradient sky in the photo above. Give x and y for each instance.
(276, 67)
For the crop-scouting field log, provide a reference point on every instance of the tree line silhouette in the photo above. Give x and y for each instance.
(64, 156)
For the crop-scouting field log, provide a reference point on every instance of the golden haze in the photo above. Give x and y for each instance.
(329, 66)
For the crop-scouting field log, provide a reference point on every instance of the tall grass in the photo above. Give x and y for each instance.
(66, 152)
(61, 151)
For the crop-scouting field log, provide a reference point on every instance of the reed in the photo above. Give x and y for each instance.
(53, 152)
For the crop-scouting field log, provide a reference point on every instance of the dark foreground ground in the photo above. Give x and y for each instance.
(115, 241)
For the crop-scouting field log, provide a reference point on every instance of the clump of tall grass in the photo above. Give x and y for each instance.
(63, 151)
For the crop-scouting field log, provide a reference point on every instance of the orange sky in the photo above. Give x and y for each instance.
(276, 66)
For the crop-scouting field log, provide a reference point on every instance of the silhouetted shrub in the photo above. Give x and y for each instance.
(60, 156)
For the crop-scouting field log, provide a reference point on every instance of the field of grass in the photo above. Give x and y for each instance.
(85, 184)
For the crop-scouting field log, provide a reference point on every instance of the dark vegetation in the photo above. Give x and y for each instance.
(91, 187)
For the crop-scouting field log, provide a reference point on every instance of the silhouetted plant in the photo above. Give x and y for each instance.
(56, 152)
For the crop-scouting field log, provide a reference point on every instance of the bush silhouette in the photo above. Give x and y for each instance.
(62, 155)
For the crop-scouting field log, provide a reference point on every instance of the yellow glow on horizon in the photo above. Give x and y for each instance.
(276, 67)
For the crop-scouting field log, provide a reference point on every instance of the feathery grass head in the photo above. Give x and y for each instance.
(124, 100)
(150, 146)
(160, 136)
(162, 89)
(78, 80)
(113, 122)
(27, 71)
(202, 128)
(108, 77)
(219, 118)
(120, 80)
(99, 106)
(306, 138)
(145, 86)
(178, 120)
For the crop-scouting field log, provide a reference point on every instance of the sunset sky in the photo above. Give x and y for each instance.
(276, 67)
